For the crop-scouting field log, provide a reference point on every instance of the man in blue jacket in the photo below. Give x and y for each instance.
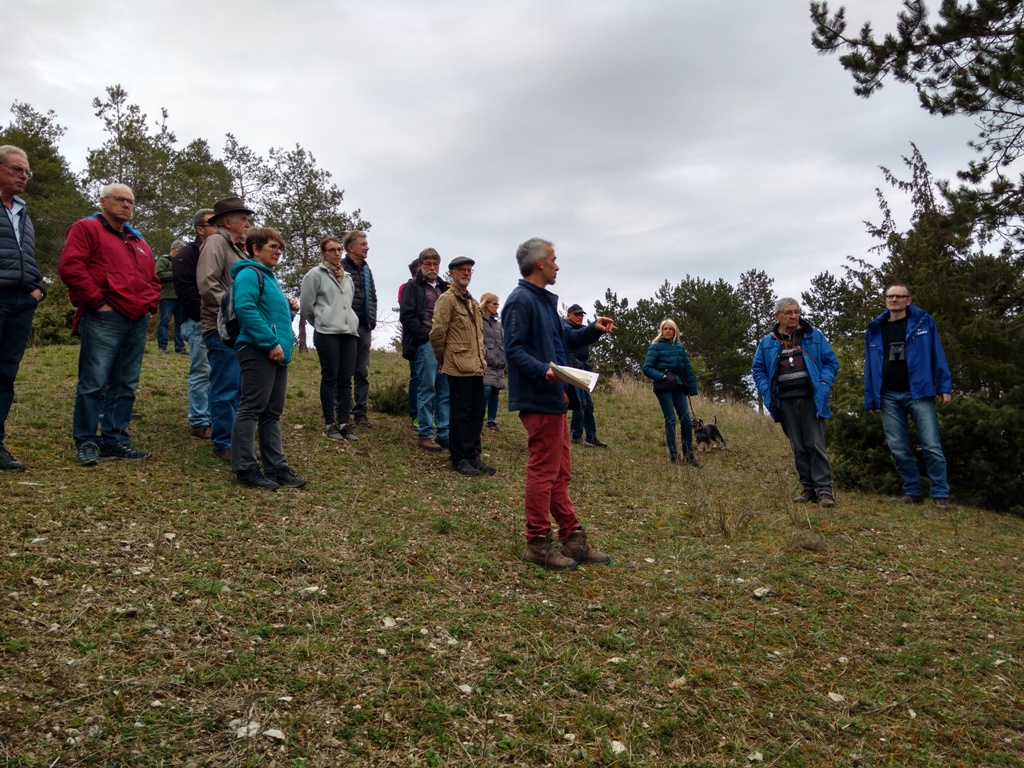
(21, 283)
(535, 338)
(794, 370)
(905, 371)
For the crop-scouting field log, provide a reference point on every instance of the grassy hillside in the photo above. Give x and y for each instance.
(381, 616)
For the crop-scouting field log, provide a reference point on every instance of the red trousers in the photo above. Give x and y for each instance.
(548, 473)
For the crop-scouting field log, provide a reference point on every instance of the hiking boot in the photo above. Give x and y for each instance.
(443, 442)
(580, 441)
(332, 432)
(484, 468)
(689, 458)
(542, 551)
(493, 426)
(8, 463)
(203, 433)
(111, 451)
(88, 454)
(465, 467)
(347, 433)
(578, 548)
(255, 479)
(826, 500)
(286, 477)
(362, 420)
(942, 505)
(907, 499)
(807, 496)
(428, 444)
(596, 443)
(224, 454)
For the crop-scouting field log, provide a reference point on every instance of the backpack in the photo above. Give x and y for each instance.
(228, 326)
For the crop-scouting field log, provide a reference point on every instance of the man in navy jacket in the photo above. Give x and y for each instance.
(535, 338)
(905, 372)
(21, 283)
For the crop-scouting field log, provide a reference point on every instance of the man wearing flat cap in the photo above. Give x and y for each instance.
(457, 337)
(582, 427)
(219, 253)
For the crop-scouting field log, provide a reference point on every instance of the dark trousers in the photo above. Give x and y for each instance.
(16, 311)
(362, 375)
(806, 433)
(582, 419)
(264, 385)
(466, 398)
(337, 352)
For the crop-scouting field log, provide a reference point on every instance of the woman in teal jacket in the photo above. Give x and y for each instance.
(264, 348)
(668, 365)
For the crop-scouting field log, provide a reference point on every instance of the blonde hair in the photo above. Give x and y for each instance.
(671, 324)
(487, 298)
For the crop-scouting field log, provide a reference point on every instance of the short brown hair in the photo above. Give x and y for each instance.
(257, 237)
(325, 241)
(429, 253)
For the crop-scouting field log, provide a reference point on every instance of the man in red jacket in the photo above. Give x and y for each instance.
(111, 278)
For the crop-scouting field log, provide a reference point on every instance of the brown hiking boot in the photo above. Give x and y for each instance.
(427, 444)
(578, 548)
(807, 496)
(542, 551)
(826, 500)
(907, 499)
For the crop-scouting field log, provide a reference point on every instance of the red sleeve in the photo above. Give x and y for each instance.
(74, 264)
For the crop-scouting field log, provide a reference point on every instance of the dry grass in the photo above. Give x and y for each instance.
(147, 606)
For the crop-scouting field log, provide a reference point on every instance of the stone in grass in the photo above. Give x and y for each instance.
(308, 592)
(244, 730)
(761, 593)
(274, 735)
(618, 747)
(755, 757)
(679, 682)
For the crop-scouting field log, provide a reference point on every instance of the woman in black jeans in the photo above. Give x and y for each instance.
(668, 366)
(326, 304)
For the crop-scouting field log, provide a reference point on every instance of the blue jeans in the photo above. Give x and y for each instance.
(109, 365)
(432, 406)
(413, 389)
(225, 380)
(896, 408)
(198, 374)
(806, 433)
(583, 417)
(491, 395)
(671, 403)
(16, 311)
(168, 309)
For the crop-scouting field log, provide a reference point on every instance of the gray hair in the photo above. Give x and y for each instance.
(201, 215)
(528, 253)
(786, 301)
(108, 189)
(351, 237)
(10, 149)
(177, 245)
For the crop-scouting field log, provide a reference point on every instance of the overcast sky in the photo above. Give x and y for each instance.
(648, 139)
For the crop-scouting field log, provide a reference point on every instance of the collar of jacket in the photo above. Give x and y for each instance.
(128, 228)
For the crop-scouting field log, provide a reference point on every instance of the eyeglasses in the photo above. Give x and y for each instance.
(18, 170)
(332, 250)
(276, 247)
(122, 200)
(206, 224)
(464, 270)
(897, 296)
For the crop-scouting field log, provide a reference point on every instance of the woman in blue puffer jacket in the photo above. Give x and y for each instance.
(668, 366)
(264, 348)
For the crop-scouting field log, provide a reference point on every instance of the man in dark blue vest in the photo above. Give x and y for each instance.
(21, 283)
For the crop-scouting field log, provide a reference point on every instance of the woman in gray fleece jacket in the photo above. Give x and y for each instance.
(325, 302)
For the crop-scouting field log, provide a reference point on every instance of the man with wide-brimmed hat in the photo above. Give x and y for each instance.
(220, 252)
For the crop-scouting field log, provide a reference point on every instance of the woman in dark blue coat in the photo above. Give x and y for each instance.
(668, 365)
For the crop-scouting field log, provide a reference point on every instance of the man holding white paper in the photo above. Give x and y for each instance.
(534, 338)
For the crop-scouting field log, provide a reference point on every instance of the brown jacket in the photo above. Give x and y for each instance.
(213, 276)
(457, 334)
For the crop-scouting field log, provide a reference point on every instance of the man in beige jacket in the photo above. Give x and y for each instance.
(458, 342)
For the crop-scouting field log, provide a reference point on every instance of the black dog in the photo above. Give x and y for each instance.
(707, 436)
